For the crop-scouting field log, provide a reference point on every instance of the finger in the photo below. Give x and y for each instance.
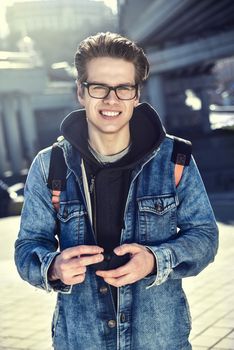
(77, 279)
(89, 260)
(121, 281)
(115, 273)
(80, 250)
(78, 271)
(65, 274)
(127, 248)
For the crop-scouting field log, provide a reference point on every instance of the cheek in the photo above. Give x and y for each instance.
(132, 107)
(81, 103)
(91, 111)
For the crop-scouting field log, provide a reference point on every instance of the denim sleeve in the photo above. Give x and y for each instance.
(196, 243)
(36, 245)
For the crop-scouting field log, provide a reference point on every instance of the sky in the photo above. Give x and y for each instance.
(4, 3)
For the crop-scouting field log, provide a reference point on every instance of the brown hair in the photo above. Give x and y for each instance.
(111, 45)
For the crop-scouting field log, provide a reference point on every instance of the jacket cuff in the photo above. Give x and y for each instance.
(57, 286)
(163, 263)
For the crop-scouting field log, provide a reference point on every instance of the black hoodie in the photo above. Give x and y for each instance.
(109, 183)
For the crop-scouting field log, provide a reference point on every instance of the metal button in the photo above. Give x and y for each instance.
(111, 323)
(122, 317)
(103, 290)
(65, 213)
(159, 207)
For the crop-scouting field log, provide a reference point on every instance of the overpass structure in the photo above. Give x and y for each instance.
(183, 39)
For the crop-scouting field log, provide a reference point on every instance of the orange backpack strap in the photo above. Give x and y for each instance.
(181, 155)
(57, 175)
(178, 173)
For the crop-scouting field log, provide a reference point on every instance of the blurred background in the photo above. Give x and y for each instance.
(191, 51)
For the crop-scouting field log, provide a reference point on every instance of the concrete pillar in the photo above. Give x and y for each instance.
(12, 133)
(28, 127)
(156, 95)
(205, 110)
(3, 150)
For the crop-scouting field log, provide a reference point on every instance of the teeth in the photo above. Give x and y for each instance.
(110, 113)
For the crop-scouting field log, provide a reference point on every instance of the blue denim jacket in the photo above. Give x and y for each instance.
(177, 224)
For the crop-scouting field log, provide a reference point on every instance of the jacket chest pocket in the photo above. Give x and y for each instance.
(157, 218)
(72, 224)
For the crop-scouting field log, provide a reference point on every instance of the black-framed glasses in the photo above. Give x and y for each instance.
(100, 91)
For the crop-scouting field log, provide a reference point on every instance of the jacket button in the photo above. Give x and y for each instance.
(122, 317)
(159, 207)
(65, 213)
(111, 323)
(103, 290)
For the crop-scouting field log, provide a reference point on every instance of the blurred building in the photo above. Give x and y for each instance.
(57, 26)
(31, 108)
(57, 15)
(38, 90)
(224, 70)
(183, 40)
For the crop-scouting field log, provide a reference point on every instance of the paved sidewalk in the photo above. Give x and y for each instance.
(211, 298)
(26, 312)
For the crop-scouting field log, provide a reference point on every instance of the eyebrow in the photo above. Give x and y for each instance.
(121, 84)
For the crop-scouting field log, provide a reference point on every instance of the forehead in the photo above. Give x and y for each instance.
(110, 71)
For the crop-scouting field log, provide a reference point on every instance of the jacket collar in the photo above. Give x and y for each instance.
(146, 129)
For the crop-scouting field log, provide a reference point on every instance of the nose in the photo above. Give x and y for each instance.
(111, 98)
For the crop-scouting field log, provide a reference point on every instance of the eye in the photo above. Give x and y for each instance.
(125, 88)
(98, 88)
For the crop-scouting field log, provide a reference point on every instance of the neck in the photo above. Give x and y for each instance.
(109, 144)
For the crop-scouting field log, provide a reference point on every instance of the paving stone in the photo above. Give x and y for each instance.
(226, 343)
(205, 341)
(215, 331)
(231, 335)
(210, 298)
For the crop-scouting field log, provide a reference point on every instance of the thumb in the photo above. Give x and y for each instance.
(127, 248)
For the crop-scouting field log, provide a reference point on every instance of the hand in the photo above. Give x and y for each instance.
(141, 264)
(70, 266)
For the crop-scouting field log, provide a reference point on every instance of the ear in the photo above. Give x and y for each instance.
(137, 99)
(80, 94)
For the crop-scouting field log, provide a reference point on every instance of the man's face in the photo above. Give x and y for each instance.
(108, 115)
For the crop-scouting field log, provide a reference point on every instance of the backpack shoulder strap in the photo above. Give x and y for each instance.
(181, 155)
(57, 175)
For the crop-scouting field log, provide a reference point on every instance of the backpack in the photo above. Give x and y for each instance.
(181, 155)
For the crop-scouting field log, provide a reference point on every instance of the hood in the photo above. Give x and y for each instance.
(146, 131)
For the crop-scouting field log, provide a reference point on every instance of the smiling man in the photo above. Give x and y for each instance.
(131, 219)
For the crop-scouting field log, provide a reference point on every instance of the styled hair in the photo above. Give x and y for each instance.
(111, 45)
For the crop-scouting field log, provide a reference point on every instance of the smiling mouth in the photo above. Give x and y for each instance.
(110, 113)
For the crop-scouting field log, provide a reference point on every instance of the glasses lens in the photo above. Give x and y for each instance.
(123, 92)
(126, 92)
(98, 91)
